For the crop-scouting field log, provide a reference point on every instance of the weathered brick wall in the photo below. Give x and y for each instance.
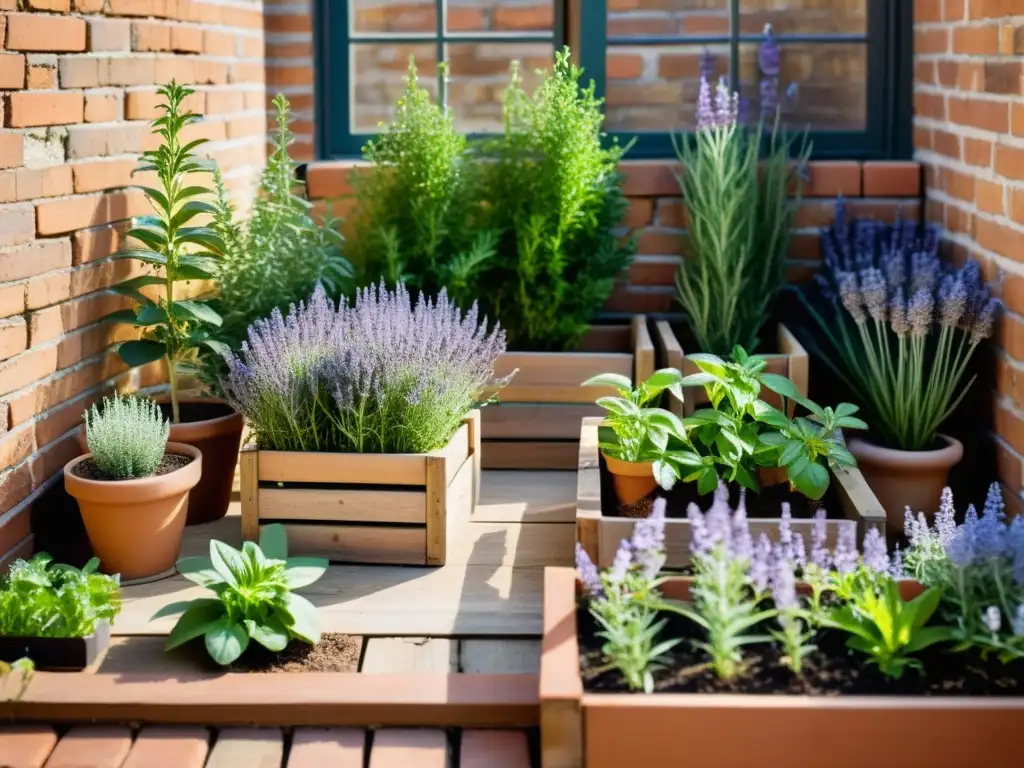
(969, 135)
(77, 87)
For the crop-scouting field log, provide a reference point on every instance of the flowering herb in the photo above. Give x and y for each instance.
(979, 568)
(624, 601)
(900, 327)
(383, 374)
(127, 436)
(796, 633)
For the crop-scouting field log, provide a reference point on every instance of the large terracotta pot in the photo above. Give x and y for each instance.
(632, 479)
(135, 526)
(902, 479)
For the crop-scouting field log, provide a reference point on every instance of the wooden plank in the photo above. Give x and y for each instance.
(559, 369)
(588, 490)
(532, 455)
(643, 350)
(459, 504)
(247, 748)
(607, 338)
(327, 748)
(162, 747)
(500, 656)
(494, 749)
(560, 686)
(454, 454)
(799, 361)
(405, 748)
(670, 355)
(248, 463)
(541, 421)
(551, 393)
(437, 503)
(475, 435)
(26, 746)
(523, 545)
(392, 545)
(344, 505)
(393, 655)
(92, 747)
(859, 502)
(139, 654)
(527, 497)
(355, 468)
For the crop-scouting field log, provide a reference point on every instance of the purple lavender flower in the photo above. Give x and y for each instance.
(844, 558)
(1018, 622)
(786, 533)
(707, 67)
(648, 541)
(872, 289)
(896, 568)
(761, 564)
(799, 551)
(820, 556)
(849, 294)
(982, 327)
(989, 537)
(588, 573)
(706, 118)
(769, 61)
(742, 544)
(898, 320)
(784, 586)
(919, 313)
(945, 524)
(875, 552)
(726, 105)
(992, 619)
(994, 504)
(620, 564)
(952, 301)
(961, 550)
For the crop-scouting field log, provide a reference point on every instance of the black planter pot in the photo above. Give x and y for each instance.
(57, 653)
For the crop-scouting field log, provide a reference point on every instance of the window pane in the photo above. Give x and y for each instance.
(645, 18)
(510, 16)
(654, 88)
(479, 74)
(804, 16)
(408, 16)
(378, 79)
(830, 80)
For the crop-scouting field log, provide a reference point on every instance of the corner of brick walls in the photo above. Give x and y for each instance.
(969, 137)
(77, 86)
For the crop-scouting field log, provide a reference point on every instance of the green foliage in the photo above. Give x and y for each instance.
(174, 329)
(740, 215)
(278, 255)
(254, 598)
(641, 433)
(39, 598)
(554, 195)
(417, 215)
(886, 628)
(127, 436)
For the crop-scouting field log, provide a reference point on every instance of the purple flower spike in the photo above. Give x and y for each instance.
(784, 586)
(820, 555)
(761, 564)
(706, 118)
(700, 540)
(994, 502)
(876, 555)
(961, 550)
(707, 66)
(896, 569)
(945, 524)
(989, 537)
(588, 573)
(844, 559)
(799, 551)
(786, 533)
(648, 542)
(982, 328)
(620, 565)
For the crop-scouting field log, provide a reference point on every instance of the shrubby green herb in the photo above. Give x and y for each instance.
(280, 253)
(40, 598)
(254, 598)
(127, 436)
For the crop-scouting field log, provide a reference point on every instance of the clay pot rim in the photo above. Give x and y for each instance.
(628, 468)
(154, 486)
(938, 458)
(195, 430)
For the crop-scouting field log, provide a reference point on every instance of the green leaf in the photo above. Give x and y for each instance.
(139, 254)
(199, 570)
(218, 347)
(151, 314)
(780, 385)
(189, 211)
(812, 481)
(274, 541)
(698, 380)
(126, 316)
(709, 364)
(226, 641)
(154, 238)
(195, 267)
(195, 621)
(272, 635)
(773, 417)
(136, 353)
(203, 236)
(173, 609)
(923, 606)
(928, 636)
(157, 197)
(302, 620)
(132, 287)
(618, 381)
(707, 481)
(663, 379)
(302, 571)
(666, 474)
(227, 561)
(197, 311)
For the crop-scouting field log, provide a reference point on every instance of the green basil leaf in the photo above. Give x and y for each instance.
(226, 641)
(136, 353)
(303, 621)
(272, 634)
(615, 380)
(195, 621)
(274, 541)
(303, 571)
(198, 570)
(227, 561)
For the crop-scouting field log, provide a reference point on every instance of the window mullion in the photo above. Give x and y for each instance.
(734, 45)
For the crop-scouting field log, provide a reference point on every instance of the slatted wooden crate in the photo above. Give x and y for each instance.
(537, 423)
(364, 508)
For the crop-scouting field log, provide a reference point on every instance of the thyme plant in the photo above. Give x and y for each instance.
(173, 329)
(127, 436)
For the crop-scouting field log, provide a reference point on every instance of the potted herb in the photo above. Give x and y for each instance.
(132, 488)
(56, 615)
(175, 328)
(899, 328)
(374, 400)
(641, 433)
(253, 598)
(741, 190)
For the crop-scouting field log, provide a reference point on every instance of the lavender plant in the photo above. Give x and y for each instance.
(899, 326)
(740, 210)
(382, 374)
(979, 568)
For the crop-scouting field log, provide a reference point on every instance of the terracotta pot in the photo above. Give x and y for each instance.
(902, 479)
(135, 526)
(633, 479)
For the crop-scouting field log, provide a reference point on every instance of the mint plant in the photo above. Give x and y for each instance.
(254, 598)
(174, 329)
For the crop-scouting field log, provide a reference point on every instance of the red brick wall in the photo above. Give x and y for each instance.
(969, 135)
(77, 86)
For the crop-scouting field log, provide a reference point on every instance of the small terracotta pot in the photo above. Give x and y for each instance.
(902, 479)
(633, 479)
(135, 526)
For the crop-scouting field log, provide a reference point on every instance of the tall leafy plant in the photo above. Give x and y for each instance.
(173, 328)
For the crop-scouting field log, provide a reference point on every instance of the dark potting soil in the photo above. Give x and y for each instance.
(832, 669)
(197, 411)
(169, 463)
(334, 653)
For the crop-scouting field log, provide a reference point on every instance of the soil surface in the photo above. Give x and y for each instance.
(198, 411)
(334, 653)
(830, 670)
(169, 463)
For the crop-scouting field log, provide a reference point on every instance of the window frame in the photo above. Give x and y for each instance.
(583, 23)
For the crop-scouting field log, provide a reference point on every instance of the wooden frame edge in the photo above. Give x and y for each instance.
(249, 491)
(643, 349)
(561, 687)
(588, 489)
(799, 360)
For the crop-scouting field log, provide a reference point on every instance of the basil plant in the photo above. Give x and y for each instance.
(253, 598)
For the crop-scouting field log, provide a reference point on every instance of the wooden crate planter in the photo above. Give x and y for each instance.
(364, 508)
(600, 534)
(670, 730)
(536, 424)
(791, 361)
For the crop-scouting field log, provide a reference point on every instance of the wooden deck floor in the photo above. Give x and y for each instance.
(491, 585)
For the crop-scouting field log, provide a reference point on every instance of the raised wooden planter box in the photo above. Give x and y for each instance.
(600, 534)
(64, 653)
(364, 508)
(536, 424)
(791, 361)
(670, 730)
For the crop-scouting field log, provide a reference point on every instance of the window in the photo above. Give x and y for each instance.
(849, 61)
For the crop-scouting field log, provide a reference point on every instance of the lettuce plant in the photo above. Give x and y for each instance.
(127, 436)
(40, 598)
(254, 598)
